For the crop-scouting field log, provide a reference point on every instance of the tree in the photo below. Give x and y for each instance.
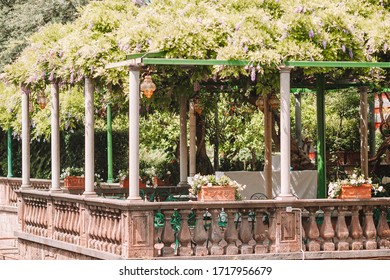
(19, 19)
(263, 32)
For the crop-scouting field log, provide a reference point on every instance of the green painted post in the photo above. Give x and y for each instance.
(321, 149)
(9, 153)
(109, 145)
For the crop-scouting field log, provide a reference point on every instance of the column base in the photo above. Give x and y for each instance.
(286, 197)
(89, 194)
(51, 190)
(26, 187)
(183, 184)
(136, 198)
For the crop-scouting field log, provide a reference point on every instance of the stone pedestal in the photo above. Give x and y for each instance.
(287, 232)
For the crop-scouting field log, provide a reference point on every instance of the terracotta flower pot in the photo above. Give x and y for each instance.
(74, 182)
(125, 184)
(352, 192)
(220, 193)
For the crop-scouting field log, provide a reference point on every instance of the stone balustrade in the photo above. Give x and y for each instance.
(263, 228)
(10, 185)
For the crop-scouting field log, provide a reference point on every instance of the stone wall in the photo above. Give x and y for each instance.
(29, 250)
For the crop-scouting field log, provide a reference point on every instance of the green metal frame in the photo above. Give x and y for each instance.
(158, 58)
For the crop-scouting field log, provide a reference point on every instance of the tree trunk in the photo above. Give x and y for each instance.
(299, 159)
(203, 163)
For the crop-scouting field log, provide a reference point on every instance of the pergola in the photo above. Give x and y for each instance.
(135, 62)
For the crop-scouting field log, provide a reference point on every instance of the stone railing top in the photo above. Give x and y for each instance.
(248, 204)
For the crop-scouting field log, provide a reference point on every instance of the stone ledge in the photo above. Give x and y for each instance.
(11, 209)
(333, 255)
(67, 247)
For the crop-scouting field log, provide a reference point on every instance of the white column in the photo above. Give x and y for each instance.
(285, 161)
(134, 74)
(89, 137)
(363, 131)
(267, 147)
(25, 139)
(183, 141)
(192, 140)
(55, 138)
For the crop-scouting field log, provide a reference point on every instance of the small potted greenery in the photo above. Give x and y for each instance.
(209, 188)
(123, 176)
(354, 186)
(73, 177)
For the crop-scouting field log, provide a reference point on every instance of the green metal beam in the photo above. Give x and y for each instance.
(9, 152)
(110, 178)
(144, 55)
(341, 64)
(206, 62)
(321, 149)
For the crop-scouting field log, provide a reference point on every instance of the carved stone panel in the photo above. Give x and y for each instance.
(288, 232)
(141, 234)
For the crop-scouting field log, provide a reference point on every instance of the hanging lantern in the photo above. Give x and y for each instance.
(42, 100)
(148, 87)
(274, 102)
(197, 107)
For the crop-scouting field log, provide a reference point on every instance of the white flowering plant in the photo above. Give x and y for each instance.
(356, 180)
(211, 181)
(72, 171)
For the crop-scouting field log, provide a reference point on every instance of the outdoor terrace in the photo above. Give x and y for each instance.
(56, 225)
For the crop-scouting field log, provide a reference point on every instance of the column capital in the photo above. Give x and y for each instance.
(363, 89)
(134, 67)
(25, 89)
(285, 69)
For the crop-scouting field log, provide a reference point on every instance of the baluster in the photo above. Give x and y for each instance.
(118, 235)
(383, 229)
(312, 232)
(99, 229)
(26, 216)
(272, 229)
(185, 235)
(200, 235)
(65, 224)
(33, 214)
(369, 229)
(73, 226)
(231, 233)
(60, 222)
(114, 228)
(245, 233)
(36, 218)
(327, 232)
(75, 229)
(215, 235)
(78, 227)
(70, 221)
(91, 228)
(342, 232)
(110, 240)
(55, 221)
(168, 235)
(45, 220)
(38, 221)
(260, 234)
(356, 231)
(104, 230)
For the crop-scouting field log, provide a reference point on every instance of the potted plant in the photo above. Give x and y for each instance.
(73, 177)
(123, 177)
(209, 188)
(354, 186)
